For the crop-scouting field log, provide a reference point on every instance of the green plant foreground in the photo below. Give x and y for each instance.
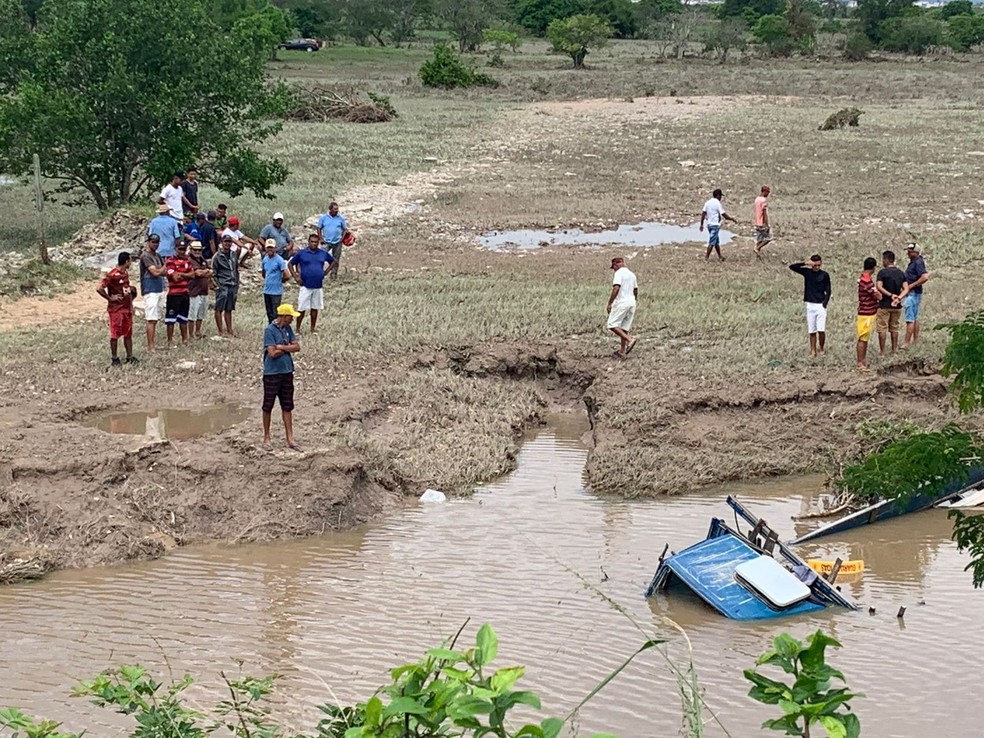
(809, 700)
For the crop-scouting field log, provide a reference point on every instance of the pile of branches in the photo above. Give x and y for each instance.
(843, 117)
(320, 104)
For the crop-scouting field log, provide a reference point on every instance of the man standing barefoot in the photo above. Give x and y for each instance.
(621, 305)
(816, 295)
(279, 343)
(868, 298)
(714, 213)
(116, 290)
(763, 228)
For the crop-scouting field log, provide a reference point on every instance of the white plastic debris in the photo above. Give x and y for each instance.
(186, 365)
(432, 495)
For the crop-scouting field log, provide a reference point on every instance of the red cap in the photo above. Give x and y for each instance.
(233, 220)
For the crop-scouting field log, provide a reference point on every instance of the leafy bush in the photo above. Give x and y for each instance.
(502, 39)
(857, 47)
(924, 463)
(445, 69)
(843, 117)
(773, 32)
(963, 32)
(911, 34)
(575, 35)
(955, 8)
(809, 700)
(726, 34)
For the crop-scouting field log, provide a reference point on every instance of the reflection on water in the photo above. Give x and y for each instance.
(642, 234)
(343, 608)
(171, 423)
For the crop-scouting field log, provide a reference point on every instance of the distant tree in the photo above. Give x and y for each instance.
(773, 32)
(751, 10)
(320, 19)
(536, 15)
(912, 34)
(112, 114)
(620, 14)
(963, 32)
(956, 7)
(649, 12)
(261, 24)
(725, 35)
(407, 15)
(577, 35)
(871, 14)
(466, 20)
(365, 21)
(857, 46)
(501, 39)
(676, 31)
(801, 16)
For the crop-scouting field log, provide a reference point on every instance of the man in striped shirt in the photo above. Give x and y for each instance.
(868, 299)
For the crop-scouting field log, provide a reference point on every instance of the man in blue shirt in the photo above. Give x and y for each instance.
(167, 230)
(308, 267)
(279, 343)
(276, 230)
(210, 235)
(192, 227)
(152, 284)
(332, 228)
(916, 276)
(274, 269)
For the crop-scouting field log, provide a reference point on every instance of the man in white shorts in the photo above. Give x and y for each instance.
(816, 295)
(152, 286)
(198, 290)
(621, 305)
(308, 267)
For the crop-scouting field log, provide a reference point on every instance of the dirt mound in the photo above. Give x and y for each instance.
(91, 245)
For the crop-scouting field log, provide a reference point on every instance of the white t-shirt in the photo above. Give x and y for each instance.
(627, 284)
(172, 196)
(713, 208)
(238, 235)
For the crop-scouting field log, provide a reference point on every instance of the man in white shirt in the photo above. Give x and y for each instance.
(242, 245)
(713, 214)
(621, 305)
(173, 196)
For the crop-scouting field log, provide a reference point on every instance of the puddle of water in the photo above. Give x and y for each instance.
(642, 235)
(345, 607)
(175, 424)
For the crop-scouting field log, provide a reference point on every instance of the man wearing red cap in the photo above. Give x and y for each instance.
(242, 245)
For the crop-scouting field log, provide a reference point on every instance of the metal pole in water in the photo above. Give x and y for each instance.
(39, 208)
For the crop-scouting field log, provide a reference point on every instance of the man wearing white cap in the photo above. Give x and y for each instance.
(276, 231)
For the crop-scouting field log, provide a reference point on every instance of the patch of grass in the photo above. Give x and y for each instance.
(33, 278)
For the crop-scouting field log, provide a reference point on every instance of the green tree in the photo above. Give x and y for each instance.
(574, 36)
(871, 14)
(620, 14)
(649, 12)
(963, 32)
(801, 16)
(536, 15)
(501, 39)
(751, 10)
(466, 20)
(912, 34)
(956, 7)
(407, 15)
(773, 32)
(115, 96)
(320, 19)
(367, 19)
(16, 43)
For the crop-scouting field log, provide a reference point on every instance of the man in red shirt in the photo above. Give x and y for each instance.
(868, 298)
(116, 290)
(180, 271)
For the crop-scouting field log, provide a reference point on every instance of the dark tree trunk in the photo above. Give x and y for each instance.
(578, 57)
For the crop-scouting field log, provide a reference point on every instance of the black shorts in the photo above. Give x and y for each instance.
(225, 299)
(177, 308)
(278, 387)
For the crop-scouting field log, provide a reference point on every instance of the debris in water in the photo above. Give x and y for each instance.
(641, 235)
(433, 495)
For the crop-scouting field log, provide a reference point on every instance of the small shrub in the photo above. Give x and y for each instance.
(501, 39)
(857, 47)
(843, 117)
(445, 69)
(496, 61)
(383, 103)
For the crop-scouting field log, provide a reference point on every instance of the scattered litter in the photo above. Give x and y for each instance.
(846, 568)
(186, 365)
(431, 160)
(433, 495)
(688, 164)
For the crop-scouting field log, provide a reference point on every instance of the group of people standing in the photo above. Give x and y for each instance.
(884, 300)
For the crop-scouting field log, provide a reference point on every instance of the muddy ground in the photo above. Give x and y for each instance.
(481, 345)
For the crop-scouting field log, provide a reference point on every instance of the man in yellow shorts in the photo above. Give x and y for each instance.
(868, 299)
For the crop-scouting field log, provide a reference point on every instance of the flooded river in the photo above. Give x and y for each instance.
(341, 609)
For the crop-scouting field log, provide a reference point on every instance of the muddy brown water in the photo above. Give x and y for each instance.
(341, 609)
(640, 235)
(176, 424)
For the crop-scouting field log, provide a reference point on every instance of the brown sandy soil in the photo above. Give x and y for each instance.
(79, 304)
(719, 388)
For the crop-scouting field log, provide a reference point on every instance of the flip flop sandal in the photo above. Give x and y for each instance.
(628, 349)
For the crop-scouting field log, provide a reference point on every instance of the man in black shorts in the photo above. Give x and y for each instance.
(279, 343)
(179, 272)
